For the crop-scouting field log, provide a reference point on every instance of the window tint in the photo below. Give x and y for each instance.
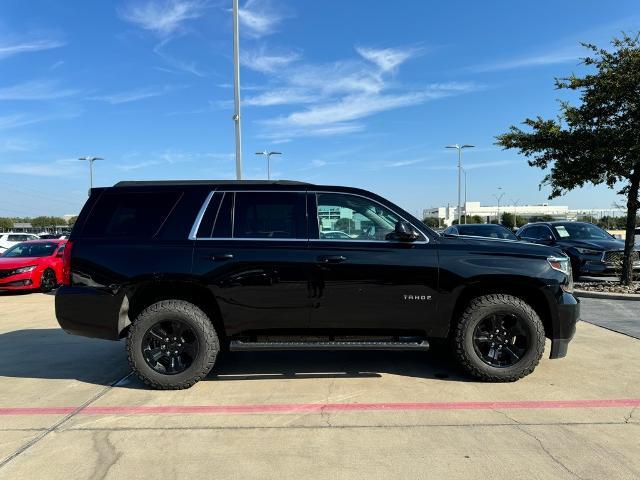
(351, 217)
(132, 215)
(222, 227)
(269, 215)
(23, 250)
(206, 224)
(489, 231)
(539, 232)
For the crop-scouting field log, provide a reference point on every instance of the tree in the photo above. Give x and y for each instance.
(507, 219)
(597, 141)
(45, 222)
(6, 223)
(431, 222)
(345, 225)
(72, 221)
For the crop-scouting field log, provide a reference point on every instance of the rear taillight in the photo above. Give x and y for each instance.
(66, 264)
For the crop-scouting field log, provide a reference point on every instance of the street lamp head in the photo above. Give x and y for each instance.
(453, 146)
(467, 146)
(91, 159)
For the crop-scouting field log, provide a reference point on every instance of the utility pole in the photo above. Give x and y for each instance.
(268, 155)
(515, 212)
(90, 160)
(236, 89)
(499, 197)
(465, 195)
(459, 148)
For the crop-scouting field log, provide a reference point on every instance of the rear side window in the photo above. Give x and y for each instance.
(130, 214)
(270, 215)
(216, 222)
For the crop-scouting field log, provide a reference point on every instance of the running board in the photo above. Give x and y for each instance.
(242, 346)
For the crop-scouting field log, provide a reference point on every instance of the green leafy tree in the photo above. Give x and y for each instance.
(72, 221)
(597, 141)
(507, 219)
(431, 222)
(44, 222)
(6, 223)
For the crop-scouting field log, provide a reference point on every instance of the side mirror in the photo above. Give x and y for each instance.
(548, 240)
(404, 232)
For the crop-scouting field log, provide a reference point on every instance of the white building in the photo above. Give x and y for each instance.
(492, 212)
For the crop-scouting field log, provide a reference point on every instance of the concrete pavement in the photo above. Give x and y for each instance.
(617, 315)
(76, 414)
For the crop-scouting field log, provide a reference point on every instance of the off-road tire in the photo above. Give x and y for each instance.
(478, 309)
(188, 313)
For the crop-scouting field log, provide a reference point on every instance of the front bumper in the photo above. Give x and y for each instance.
(20, 281)
(564, 320)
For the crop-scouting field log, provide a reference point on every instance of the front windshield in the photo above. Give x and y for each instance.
(31, 250)
(581, 231)
(490, 231)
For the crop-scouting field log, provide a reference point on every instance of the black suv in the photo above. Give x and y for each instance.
(592, 250)
(188, 269)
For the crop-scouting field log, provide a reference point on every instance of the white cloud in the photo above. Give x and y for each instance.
(162, 17)
(10, 48)
(257, 18)
(35, 90)
(135, 95)
(267, 63)
(283, 96)
(562, 55)
(16, 145)
(58, 168)
(387, 59)
(16, 120)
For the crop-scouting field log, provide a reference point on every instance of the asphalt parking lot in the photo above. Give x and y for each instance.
(69, 409)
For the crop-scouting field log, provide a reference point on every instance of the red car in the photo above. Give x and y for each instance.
(33, 265)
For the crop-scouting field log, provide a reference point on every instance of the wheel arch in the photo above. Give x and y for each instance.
(524, 289)
(140, 296)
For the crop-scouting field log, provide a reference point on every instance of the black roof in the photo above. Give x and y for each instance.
(206, 182)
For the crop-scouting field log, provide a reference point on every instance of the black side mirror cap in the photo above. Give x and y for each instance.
(404, 232)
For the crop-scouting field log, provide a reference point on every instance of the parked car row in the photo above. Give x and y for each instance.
(9, 239)
(32, 265)
(591, 249)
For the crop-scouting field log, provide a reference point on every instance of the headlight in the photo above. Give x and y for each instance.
(563, 265)
(25, 269)
(588, 251)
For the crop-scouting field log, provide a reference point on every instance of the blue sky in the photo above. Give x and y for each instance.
(352, 92)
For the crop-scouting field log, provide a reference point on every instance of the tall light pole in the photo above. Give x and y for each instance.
(236, 89)
(465, 194)
(268, 155)
(515, 212)
(90, 160)
(499, 197)
(459, 148)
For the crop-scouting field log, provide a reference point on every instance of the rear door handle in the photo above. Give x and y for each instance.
(331, 258)
(222, 256)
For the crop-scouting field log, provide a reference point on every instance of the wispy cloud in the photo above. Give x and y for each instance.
(553, 57)
(136, 94)
(16, 120)
(9, 48)
(475, 166)
(136, 161)
(36, 90)
(258, 18)
(58, 168)
(338, 94)
(15, 145)
(162, 17)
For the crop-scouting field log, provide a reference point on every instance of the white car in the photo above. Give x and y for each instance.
(9, 239)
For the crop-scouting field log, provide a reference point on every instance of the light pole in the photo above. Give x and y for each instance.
(459, 148)
(90, 160)
(499, 197)
(465, 195)
(236, 89)
(268, 155)
(515, 212)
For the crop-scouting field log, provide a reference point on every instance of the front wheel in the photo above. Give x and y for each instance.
(48, 281)
(499, 338)
(172, 345)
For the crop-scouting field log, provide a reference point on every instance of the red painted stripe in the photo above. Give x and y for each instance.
(322, 407)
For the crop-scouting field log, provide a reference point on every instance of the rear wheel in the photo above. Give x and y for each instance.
(499, 338)
(48, 281)
(172, 345)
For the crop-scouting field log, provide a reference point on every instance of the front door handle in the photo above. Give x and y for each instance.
(222, 256)
(331, 258)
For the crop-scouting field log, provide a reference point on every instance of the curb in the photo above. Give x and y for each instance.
(607, 296)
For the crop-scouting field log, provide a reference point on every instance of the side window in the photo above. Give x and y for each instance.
(269, 215)
(216, 222)
(537, 233)
(130, 214)
(343, 216)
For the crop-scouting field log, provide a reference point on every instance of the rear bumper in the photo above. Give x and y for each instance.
(565, 318)
(91, 313)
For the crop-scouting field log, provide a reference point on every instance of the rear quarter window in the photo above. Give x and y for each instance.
(130, 214)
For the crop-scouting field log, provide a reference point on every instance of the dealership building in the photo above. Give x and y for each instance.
(489, 213)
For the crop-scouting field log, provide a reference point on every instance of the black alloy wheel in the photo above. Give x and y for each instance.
(170, 347)
(48, 280)
(501, 339)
